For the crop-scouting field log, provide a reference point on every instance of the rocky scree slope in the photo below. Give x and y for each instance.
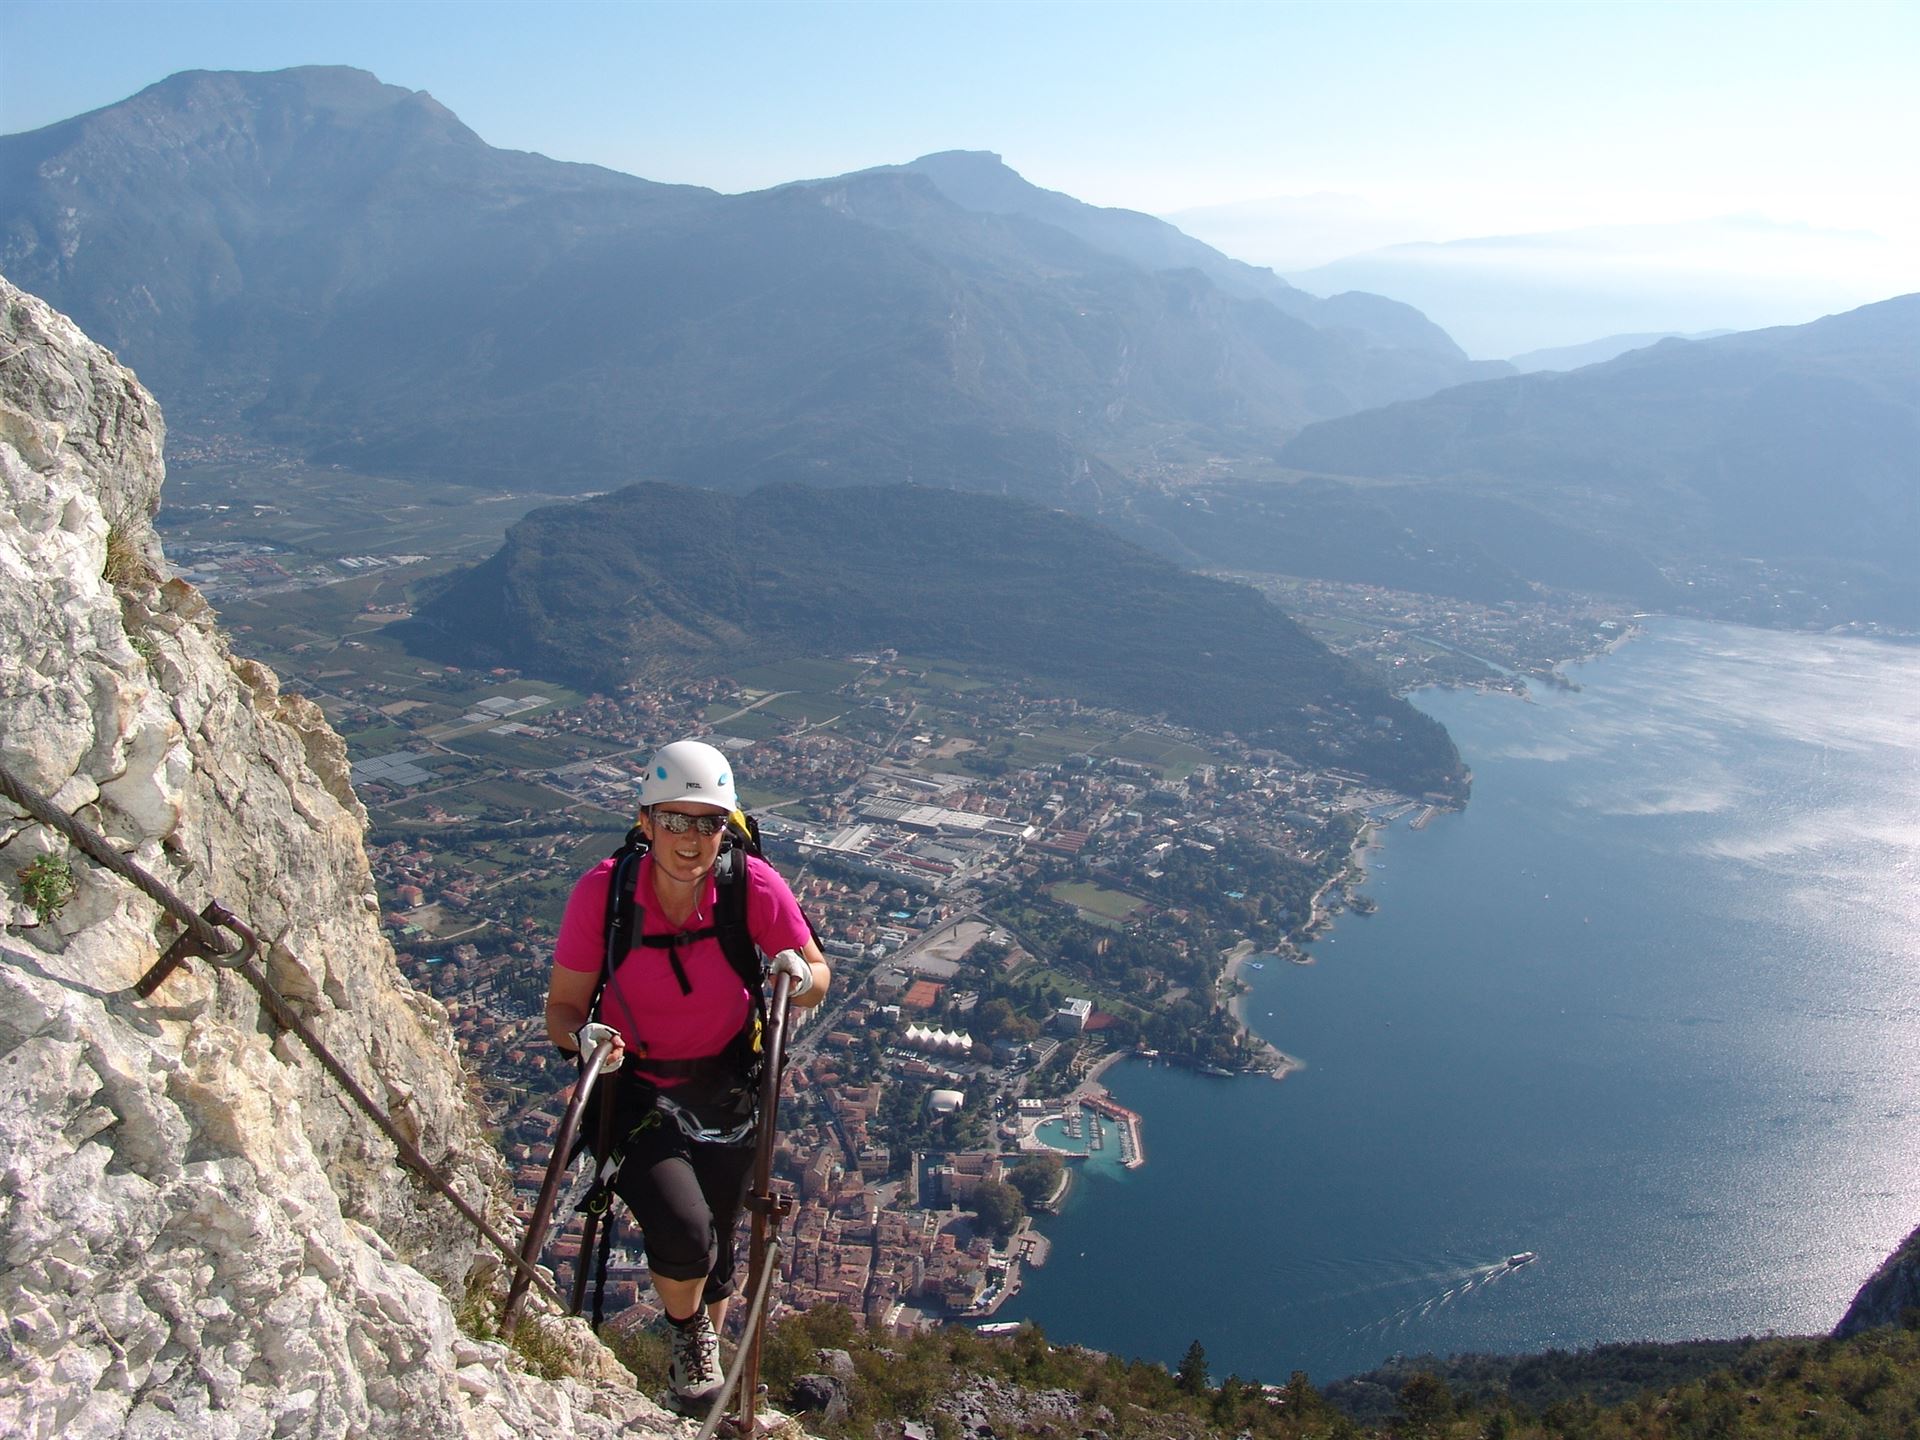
(198, 1233)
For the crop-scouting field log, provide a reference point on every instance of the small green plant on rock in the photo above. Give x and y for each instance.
(126, 563)
(47, 885)
(477, 1314)
(543, 1348)
(646, 1353)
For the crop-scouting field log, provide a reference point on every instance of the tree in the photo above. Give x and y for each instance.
(1425, 1405)
(1192, 1374)
(998, 1208)
(1036, 1176)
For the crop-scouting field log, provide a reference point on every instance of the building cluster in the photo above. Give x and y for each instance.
(890, 1265)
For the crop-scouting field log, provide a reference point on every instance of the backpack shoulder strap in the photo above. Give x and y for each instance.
(618, 925)
(730, 911)
(730, 914)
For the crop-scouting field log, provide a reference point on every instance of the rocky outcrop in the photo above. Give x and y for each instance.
(199, 1234)
(1890, 1297)
(986, 1406)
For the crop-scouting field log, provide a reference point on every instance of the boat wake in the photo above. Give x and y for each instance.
(1478, 1278)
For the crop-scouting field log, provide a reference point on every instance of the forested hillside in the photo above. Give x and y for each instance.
(657, 579)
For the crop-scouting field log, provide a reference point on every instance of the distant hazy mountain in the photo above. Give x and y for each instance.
(1595, 352)
(593, 591)
(1504, 295)
(981, 182)
(342, 266)
(1798, 447)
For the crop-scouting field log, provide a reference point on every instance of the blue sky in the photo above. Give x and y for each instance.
(1288, 133)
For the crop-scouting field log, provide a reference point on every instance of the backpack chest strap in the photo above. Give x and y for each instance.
(671, 944)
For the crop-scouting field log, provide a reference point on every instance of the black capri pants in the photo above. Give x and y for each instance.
(686, 1195)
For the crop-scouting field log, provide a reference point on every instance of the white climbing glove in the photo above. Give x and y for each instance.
(588, 1038)
(794, 964)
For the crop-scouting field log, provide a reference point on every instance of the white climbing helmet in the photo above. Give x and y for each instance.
(689, 770)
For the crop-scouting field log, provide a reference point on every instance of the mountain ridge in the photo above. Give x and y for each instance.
(284, 253)
(1598, 350)
(981, 181)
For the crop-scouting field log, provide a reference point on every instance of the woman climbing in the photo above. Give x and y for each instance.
(682, 1002)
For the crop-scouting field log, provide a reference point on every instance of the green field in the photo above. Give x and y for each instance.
(940, 675)
(1174, 759)
(1071, 985)
(782, 695)
(493, 799)
(819, 676)
(753, 725)
(810, 709)
(1096, 902)
(595, 848)
(527, 752)
(1049, 745)
(375, 740)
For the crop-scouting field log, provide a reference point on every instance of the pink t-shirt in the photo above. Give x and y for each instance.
(645, 1002)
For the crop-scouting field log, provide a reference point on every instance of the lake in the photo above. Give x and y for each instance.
(1649, 1007)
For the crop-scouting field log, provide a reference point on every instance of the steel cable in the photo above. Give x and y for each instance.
(222, 949)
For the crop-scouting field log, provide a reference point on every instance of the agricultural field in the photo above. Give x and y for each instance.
(1174, 759)
(937, 678)
(329, 513)
(745, 724)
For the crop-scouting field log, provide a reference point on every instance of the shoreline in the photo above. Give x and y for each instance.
(1271, 1059)
(1265, 1057)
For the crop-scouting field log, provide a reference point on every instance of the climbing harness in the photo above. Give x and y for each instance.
(217, 935)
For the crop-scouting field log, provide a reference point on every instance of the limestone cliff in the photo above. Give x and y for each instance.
(198, 1233)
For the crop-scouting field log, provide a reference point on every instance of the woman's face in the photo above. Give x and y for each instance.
(686, 857)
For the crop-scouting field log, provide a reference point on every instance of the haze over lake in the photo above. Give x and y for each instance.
(1650, 1007)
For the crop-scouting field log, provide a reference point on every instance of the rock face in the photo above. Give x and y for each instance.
(1890, 1297)
(198, 1232)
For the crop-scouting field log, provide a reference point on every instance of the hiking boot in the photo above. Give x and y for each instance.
(694, 1376)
